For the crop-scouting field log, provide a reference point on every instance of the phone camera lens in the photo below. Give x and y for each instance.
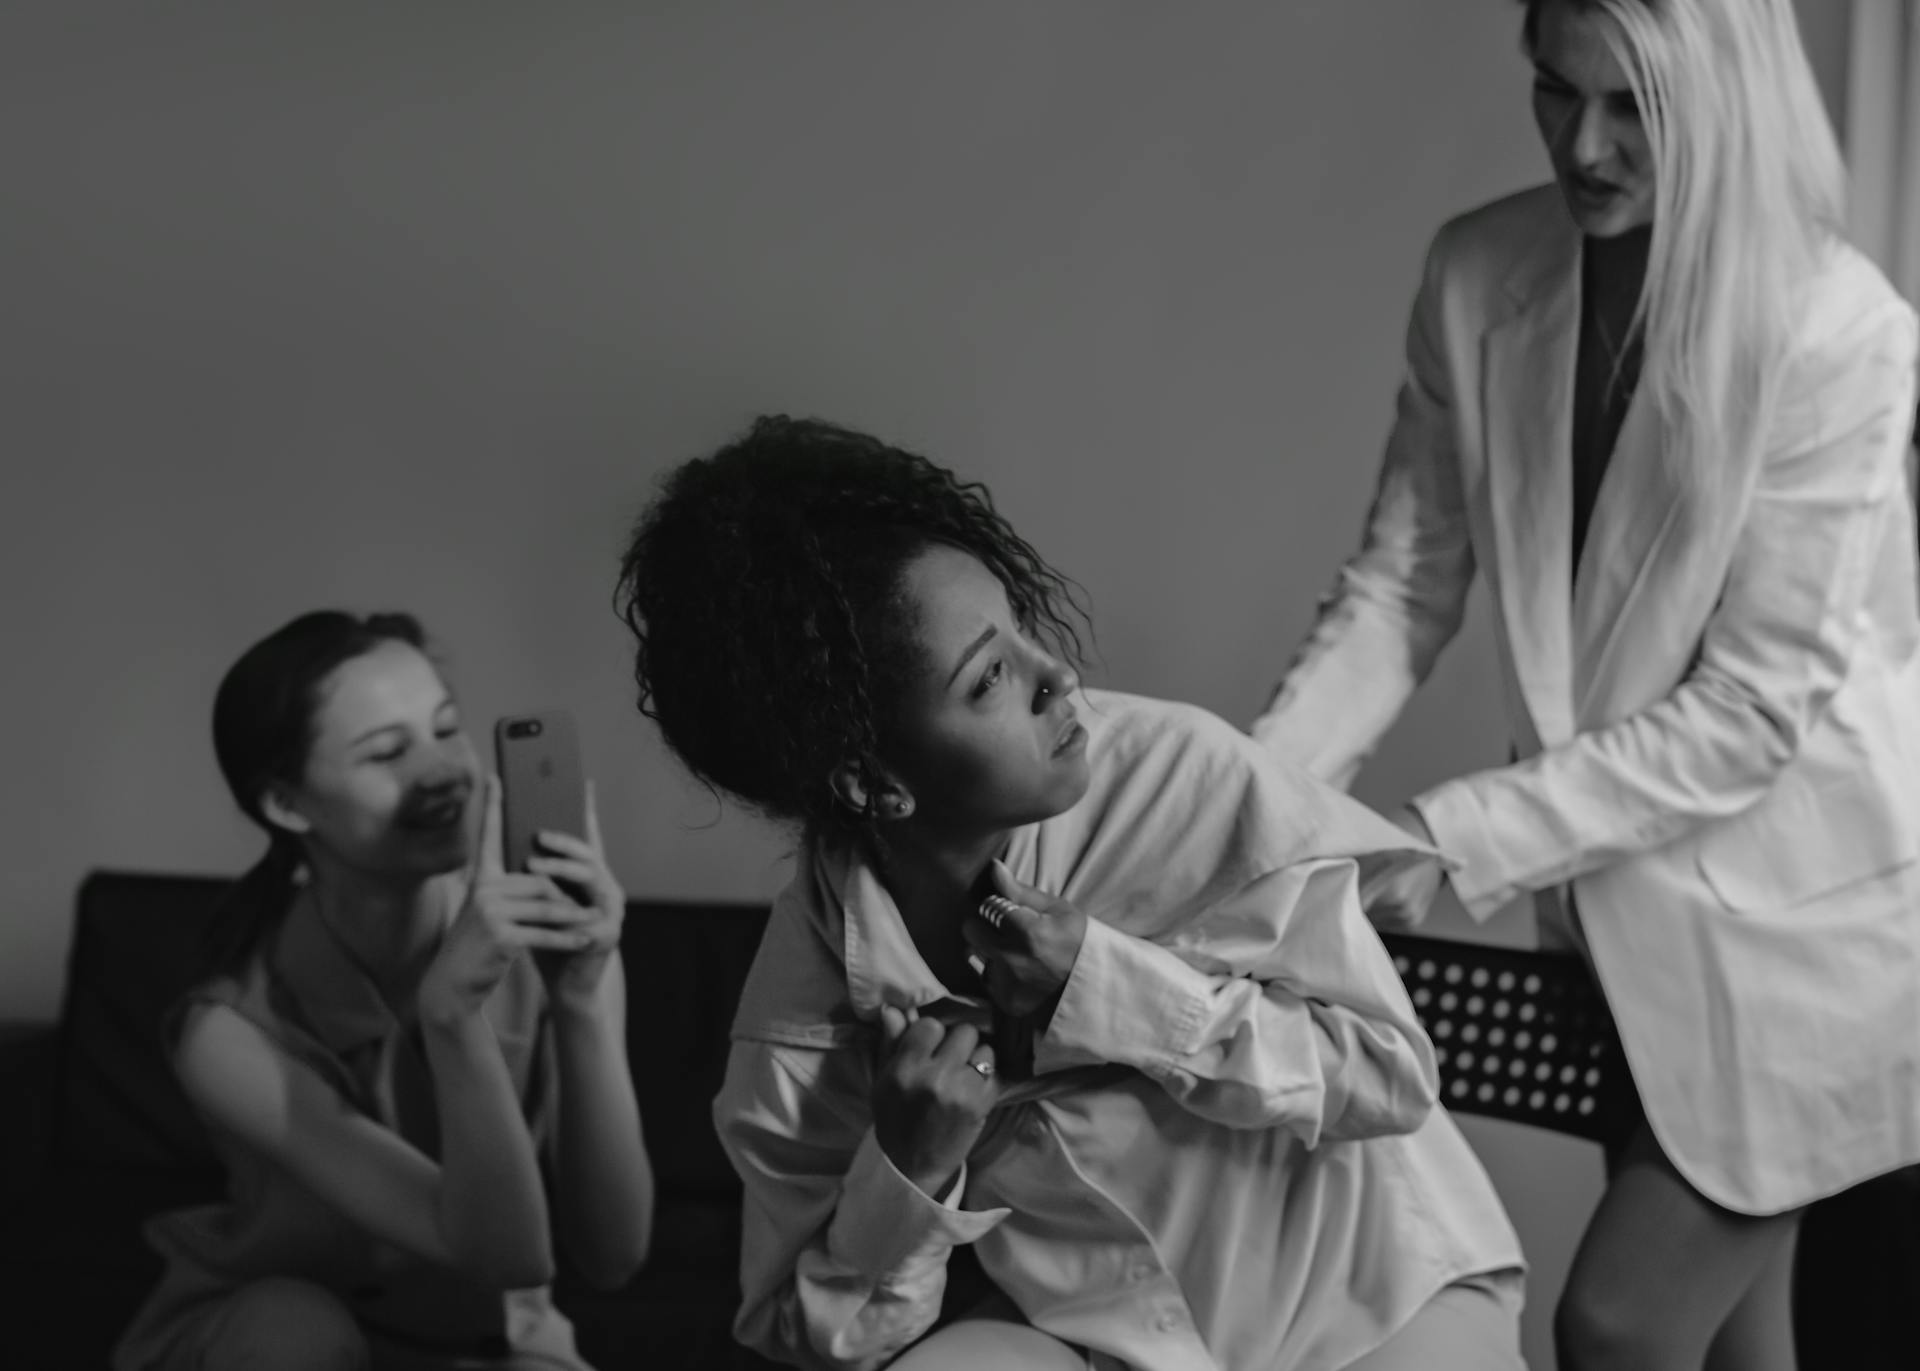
(524, 728)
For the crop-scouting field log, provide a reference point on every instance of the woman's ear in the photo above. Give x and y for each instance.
(857, 787)
(280, 812)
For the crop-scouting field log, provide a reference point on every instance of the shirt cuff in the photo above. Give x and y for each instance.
(885, 1223)
(1127, 1001)
(1453, 816)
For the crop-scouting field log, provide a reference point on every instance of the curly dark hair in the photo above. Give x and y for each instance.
(763, 588)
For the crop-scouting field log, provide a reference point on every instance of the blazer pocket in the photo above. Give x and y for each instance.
(1802, 842)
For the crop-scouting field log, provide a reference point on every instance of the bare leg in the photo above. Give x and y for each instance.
(1662, 1269)
(281, 1324)
(991, 1333)
(1758, 1335)
(971, 1344)
(1469, 1326)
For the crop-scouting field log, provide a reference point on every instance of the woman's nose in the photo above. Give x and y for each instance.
(1592, 136)
(452, 763)
(1056, 678)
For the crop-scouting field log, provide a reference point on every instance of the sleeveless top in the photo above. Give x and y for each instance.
(311, 999)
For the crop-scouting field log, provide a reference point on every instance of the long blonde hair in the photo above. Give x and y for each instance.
(1749, 195)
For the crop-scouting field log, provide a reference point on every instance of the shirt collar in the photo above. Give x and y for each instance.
(336, 998)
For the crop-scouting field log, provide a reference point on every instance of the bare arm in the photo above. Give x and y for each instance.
(478, 1210)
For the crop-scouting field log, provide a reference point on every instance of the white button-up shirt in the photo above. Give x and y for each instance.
(1228, 1156)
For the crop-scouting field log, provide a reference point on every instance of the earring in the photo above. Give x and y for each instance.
(901, 806)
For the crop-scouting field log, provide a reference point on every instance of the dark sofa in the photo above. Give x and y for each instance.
(95, 1135)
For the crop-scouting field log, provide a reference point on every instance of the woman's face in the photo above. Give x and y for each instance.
(1587, 114)
(390, 774)
(985, 738)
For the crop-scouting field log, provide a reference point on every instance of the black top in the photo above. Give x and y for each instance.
(1603, 386)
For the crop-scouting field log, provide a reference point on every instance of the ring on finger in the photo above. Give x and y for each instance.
(983, 1065)
(996, 909)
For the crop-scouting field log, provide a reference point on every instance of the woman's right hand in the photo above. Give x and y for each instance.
(505, 914)
(932, 1097)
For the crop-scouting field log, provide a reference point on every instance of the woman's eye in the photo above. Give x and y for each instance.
(988, 679)
(1624, 107)
(387, 754)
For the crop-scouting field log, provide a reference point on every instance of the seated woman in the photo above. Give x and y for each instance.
(1076, 977)
(380, 1063)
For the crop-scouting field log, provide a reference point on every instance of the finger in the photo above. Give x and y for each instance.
(958, 1044)
(582, 871)
(922, 1038)
(550, 939)
(527, 885)
(488, 860)
(981, 936)
(593, 823)
(1031, 897)
(892, 1024)
(571, 845)
(547, 911)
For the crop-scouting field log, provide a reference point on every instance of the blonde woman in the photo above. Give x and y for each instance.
(1664, 407)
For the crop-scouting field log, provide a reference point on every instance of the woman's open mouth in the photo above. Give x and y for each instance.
(1072, 740)
(436, 816)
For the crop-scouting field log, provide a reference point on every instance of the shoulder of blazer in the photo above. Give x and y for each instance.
(1490, 261)
(1850, 305)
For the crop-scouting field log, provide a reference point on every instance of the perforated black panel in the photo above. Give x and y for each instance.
(1519, 1035)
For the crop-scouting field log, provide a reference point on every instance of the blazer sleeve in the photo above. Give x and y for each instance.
(1400, 599)
(1773, 653)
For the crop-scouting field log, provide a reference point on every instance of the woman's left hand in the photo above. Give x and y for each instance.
(1030, 954)
(581, 865)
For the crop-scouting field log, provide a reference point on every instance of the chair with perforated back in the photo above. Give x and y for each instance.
(1518, 1034)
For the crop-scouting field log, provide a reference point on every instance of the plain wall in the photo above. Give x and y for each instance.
(408, 306)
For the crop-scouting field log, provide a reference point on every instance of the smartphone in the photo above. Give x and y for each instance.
(542, 785)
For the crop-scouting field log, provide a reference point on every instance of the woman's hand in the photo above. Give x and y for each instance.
(932, 1097)
(574, 976)
(1398, 895)
(505, 914)
(1029, 949)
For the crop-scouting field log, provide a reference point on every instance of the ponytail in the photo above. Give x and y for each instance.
(253, 908)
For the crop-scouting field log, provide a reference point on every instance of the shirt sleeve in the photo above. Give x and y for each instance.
(1279, 1009)
(843, 1259)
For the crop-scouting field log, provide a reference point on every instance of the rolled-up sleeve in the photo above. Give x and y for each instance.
(843, 1259)
(1281, 1009)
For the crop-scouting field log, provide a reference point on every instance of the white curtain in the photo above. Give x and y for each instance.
(1882, 136)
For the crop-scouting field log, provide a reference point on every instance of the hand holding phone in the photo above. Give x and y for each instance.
(544, 790)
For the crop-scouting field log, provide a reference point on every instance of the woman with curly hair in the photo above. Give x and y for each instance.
(1078, 978)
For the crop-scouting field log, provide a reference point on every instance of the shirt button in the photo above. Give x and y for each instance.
(1167, 1322)
(1142, 1271)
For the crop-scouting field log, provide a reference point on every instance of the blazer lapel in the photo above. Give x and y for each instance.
(1528, 404)
(1635, 511)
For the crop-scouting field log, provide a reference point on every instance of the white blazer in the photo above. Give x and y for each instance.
(1716, 728)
